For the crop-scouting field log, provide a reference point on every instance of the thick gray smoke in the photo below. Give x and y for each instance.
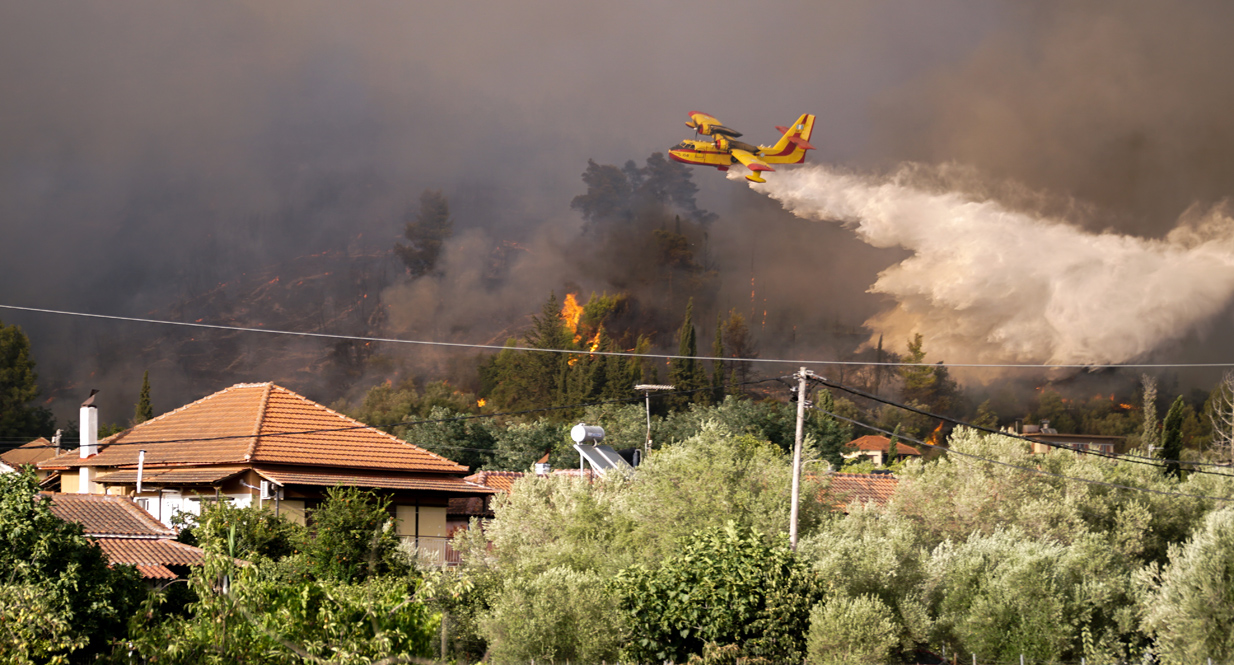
(988, 284)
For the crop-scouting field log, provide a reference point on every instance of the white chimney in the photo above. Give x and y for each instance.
(89, 416)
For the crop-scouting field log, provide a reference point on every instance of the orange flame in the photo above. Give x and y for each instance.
(571, 311)
(936, 436)
(481, 402)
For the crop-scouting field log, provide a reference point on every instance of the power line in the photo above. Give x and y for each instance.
(623, 354)
(956, 421)
(952, 451)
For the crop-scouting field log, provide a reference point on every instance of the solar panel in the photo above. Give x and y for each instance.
(601, 458)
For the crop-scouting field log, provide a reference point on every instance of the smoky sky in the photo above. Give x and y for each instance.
(151, 150)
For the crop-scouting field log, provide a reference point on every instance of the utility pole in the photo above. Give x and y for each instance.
(647, 389)
(801, 415)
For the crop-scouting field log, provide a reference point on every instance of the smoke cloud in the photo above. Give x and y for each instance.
(985, 283)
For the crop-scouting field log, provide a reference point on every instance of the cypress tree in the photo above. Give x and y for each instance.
(144, 410)
(717, 366)
(1149, 434)
(684, 372)
(1172, 437)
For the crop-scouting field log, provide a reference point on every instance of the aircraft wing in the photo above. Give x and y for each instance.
(753, 163)
(709, 125)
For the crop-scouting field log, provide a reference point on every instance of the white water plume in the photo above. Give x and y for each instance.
(989, 284)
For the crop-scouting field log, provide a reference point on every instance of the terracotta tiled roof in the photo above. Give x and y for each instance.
(101, 516)
(846, 488)
(162, 476)
(502, 481)
(880, 443)
(150, 556)
(329, 478)
(472, 506)
(258, 422)
(29, 453)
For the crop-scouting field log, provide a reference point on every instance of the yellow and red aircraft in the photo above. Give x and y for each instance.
(724, 146)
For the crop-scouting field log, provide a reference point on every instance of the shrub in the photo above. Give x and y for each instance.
(1191, 610)
(851, 631)
(726, 586)
(353, 536)
(558, 615)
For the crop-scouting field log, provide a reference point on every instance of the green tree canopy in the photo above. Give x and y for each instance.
(18, 388)
(144, 410)
(85, 601)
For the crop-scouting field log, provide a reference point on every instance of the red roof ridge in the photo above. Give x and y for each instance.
(388, 435)
(261, 414)
(115, 438)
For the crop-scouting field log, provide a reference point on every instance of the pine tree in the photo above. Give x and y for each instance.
(426, 234)
(740, 344)
(1172, 437)
(144, 409)
(529, 379)
(18, 387)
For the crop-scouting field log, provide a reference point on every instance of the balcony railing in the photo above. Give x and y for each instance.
(434, 549)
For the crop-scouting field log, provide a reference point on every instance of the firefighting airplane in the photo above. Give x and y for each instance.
(724, 148)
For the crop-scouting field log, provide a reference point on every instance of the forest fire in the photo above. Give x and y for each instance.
(571, 311)
(936, 437)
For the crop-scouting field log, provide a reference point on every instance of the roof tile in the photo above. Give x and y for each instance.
(259, 422)
(330, 478)
(105, 515)
(139, 552)
(880, 443)
(29, 453)
(846, 488)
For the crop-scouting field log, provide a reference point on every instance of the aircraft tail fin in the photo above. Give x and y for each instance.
(792, 146)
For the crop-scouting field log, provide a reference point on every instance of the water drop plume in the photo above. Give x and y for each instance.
(986, 283)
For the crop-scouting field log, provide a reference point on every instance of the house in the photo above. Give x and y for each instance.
(876, 447)
(262, 444)
(28, 454)
(1045, 438)
(127, 534)
(845, 488)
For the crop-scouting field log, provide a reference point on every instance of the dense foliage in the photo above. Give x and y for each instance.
(996, 555)
(59, 600)
(725, 586)
(19, 418)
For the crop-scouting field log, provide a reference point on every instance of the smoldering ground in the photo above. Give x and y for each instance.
(153, 152)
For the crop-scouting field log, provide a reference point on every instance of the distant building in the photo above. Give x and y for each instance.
(1045, 438)
(845, 488)
(28, 454)
(876, 448)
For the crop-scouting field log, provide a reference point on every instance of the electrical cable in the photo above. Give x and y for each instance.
(952, 451)
(623, 354)
(957, 421)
